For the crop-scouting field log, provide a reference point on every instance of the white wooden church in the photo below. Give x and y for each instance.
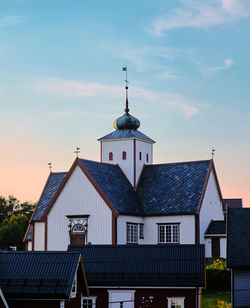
(126, 199)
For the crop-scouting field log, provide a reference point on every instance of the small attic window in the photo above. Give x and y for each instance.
(124, 155)
(139, 155)
(147, 157)
(110, 155)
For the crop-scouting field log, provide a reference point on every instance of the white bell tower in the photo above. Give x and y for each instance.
(127, 147)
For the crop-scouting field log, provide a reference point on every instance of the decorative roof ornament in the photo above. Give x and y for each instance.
(127, 121)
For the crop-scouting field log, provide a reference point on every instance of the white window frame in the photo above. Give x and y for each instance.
(171, 228)
(132, 233)
(181, 299)
(92, 298)
(74, 287)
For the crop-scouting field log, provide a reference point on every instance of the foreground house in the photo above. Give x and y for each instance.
(144, 275)
(238, 255)
(43, 279)
(126, 199)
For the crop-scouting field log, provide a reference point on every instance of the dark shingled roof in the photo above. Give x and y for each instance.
(38, 274)
(172, 188)
(52, 185)
(143, 265)
(216, 227)
(163, 189)
(115, 185)
(238, 238)
(126, 134)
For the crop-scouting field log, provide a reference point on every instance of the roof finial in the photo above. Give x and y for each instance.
(50, 166)
(126, 87)
(77, 151)
(213, 152)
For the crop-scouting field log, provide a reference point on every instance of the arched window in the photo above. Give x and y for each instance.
(124, 155)
(147, 157)
(139, 155)
(110, 156)
(78, 228)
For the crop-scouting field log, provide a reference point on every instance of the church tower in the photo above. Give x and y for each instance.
(127, 146)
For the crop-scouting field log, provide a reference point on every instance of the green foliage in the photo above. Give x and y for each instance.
(12, 231)
(216, 299)
(14, 219)
(223, 304)
(11, 206)
(218, 276)
(218, 264)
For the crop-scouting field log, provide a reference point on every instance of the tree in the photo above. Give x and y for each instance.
(12, 206)
(12, 231)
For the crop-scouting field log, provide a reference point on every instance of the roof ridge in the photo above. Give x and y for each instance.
(98, 162)
(182, 162)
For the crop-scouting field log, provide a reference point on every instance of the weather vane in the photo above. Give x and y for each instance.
(77, 151)
(50, 166)
(213, 152)
(126, 87)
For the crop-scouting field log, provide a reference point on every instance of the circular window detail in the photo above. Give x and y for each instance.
(78, 228)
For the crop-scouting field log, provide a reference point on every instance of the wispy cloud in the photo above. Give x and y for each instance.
(227, 64)
(71, 88)
(201, 14)
(209, 69)
(10, 21)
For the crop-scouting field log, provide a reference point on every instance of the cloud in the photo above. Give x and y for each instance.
(227, 64)
(71, 88)
(10, 21)
(199, 14)
(207, 70)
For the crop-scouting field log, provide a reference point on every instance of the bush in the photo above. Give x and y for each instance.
(218, 276)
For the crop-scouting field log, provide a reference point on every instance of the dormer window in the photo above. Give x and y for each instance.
(139, 155)
(124, 155)
(110, 155)
(147, 157)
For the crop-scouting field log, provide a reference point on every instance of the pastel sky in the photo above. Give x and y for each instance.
(62, 85)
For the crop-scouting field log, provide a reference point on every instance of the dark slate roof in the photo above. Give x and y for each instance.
(216, 227)
(143, 265)
(238, 238)
(38, 274)
(231, 203)
(115, 185)
(126, 134)
(52, 185)
(172, 188)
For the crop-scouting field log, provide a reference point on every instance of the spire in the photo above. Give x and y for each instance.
(127, 121)
(126, 88)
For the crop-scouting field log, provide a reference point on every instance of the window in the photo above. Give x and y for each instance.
(110, 156)
(74, 287)
(88, 302)
(147, 157)
(141, 231)
(78, 228)
(175, 302)
(132, 233)
(124, 155)
(139, 155)
(168, 234)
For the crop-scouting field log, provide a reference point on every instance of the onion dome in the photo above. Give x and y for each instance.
(127, 121)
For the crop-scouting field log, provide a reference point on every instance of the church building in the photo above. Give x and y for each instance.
(126, 199)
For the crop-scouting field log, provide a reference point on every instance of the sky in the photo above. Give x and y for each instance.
(62, 84)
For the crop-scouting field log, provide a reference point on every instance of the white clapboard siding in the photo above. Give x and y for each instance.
(187, 227)
(79, 197)
(39, 235)
(211, 207)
